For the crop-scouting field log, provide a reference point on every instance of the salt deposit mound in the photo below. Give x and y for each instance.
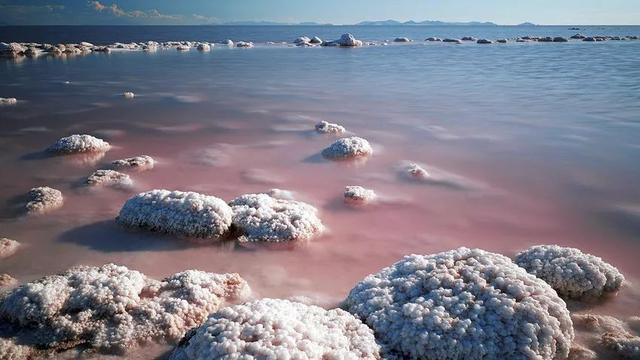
(128, 95)
(111, 308)
(610, 332)
(43, 199)
(348, 148)
(175, 212)
(329, 128)
(8, 101)
(357, 195)
(8, 247)
(279, 329)
(462, 304)
(572, 273)
(141, 163)
(109, 178)
(79, 144)
(346, 40)
(262, 218)
(6, 281)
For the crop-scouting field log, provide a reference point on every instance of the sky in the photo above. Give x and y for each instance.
(194, 12)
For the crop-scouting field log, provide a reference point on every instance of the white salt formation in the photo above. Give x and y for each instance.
(141, 163)
(262, 218)
(416, 171)
(112, 308)
(79, 144)
(329, 128)
(279, 329)
(612, 333)
(43, 199)
(179, 213)
(8, 101)
(8, 247)
(109, 178)
(572, 273)
(346, 40)
(128, 95)
(462, 304)
(348, 148)
(357, 195)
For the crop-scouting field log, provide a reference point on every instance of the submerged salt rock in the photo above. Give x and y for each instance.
(180, 213)
(183, 47)
(7, 281)
(301, 40)
(455, 41)
(262, 218)
(613, 333)
(204, 47)
(244, 44)
(315, 40)
(128, 95)
(484, 41)
(346, 40)
(142, 162)
(462, 304)
(43, 199)
(8, 101)
(579, 352)
(228, 42)
(109, 178)
(281, 194)
(416, 171)
(348, 148)
(357, 195)
(79, 144)
(279, 329)
(572, 273)
(8, 247)
(401, 40)
(112, 308)
(329, 128)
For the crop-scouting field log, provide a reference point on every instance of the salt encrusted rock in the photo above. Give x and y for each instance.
(281, 194)
(128, 95)
(501, 41)
(462, 304)
(402, 40)
(10, 350)
(7, 281)
(8, 247)
(348, 148)
(455, 41)
(79, 144)
(8, 101)
(329, 128)
(301, 40)
(142, 162)
(279, 329)
(357, 195)
(624, 344)
(204, 47)
(43, 199)
(180, 213)
(611, 332)
(432, 39)
(468, 38)
(346, 40)
(262, 218)
(560, 39)
(109, 178)
(112, 308)
(572, 273)
(11, 49)
(315, 40)
(228, 42)
(244, 44)
(484, 41)
(183, 47)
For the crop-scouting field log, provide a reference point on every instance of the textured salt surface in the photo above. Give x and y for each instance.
(109, 178)
(461, 304)
(348, 148)
(611, 333)
(357, 195)
(43, 199)
(79, 144)
(279, 329)
(8, 247)
(329, 128)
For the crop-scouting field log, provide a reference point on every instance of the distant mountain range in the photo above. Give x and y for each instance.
(424, 23)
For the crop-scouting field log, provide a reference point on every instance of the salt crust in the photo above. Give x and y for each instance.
(462, 304)
(279, 329)
(572, 273)
(180, 213)
(111, 308)
(348, 148)
(43, 199)
(79, 144)
(109, 178)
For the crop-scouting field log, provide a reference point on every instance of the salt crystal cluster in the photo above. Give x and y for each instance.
(262, 218)
(79, 144)
(111, 308)
(8, 247)
(357, 195)
(279, 329)
(8, 101)
(613, 333)
(572, 273)
(180, 213)
(329, 128)
(462, 304)
(43, 199)
(109, 178)
(348, 148)
(142, 162)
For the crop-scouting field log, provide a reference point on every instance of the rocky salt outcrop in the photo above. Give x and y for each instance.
(279, 329)
(501, 41)
(244, 44)
(572, 273)
(453, 41)
(180, 213)
(346, 40)
(79, 144)
(140, 163)
(329, 128)
(204, 47)
(484, 41)
(462, 304)
(7, 281)
(41, 200)
(8, 247)
(11, 50)
(261, 218)
(109, 178)
(111, 308)
(315, 40)
(348, 148)
(402, 40)
(432, 39)
(8, 101)
(358, 195)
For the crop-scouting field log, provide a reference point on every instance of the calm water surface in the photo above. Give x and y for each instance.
(548, 134)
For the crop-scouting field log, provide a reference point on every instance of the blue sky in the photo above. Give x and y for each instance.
(324, 11)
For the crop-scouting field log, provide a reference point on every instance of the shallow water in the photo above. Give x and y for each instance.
(547, 136)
